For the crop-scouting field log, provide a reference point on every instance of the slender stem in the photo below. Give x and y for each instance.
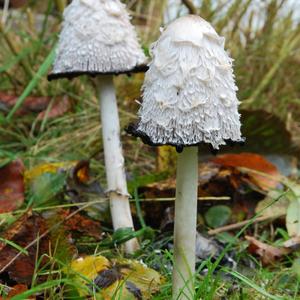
(185, 224)
(114, 160)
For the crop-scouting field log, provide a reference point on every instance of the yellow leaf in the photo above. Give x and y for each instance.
(53, 168)
(90, 266)
(121, 279)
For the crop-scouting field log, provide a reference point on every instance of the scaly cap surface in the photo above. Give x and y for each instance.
(97, 38)
(189, 93)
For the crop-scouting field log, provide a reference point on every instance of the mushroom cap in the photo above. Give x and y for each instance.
(189, 93)
(97, 38)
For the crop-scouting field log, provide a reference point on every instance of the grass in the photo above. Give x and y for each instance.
(212, 280)
(268, 75)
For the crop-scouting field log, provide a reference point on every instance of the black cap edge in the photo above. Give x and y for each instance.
(73, 74)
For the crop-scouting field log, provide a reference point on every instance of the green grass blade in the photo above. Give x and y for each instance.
(33, 83)
(42, 287)
(251, 284)
(14, 245)
(25, 52)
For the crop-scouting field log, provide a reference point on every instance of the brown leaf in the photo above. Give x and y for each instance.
(267, 253)
(31, 104)
(37, 105)
(22, 269)
(82, 224)
(254, 162)
(15, 228)
(11, 186)
(59, 108)
(18, 289)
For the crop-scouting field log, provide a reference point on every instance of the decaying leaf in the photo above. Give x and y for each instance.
(90, 266)
(59, 108)
(18, 289)
(293, 243)
(78, 169)
(11, 186)
(50, 179)
(275, 204)
(32, 104)
(267, 253)
(81, 224)
(14, 229)
(122, 278)
(22, 233)
(254, 162)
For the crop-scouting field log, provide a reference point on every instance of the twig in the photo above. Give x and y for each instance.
(190, 6)
(243, 223)
(225, 198)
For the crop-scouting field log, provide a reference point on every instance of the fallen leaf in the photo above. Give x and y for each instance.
(32, 104)
(119, 278)
(79, 170)
(23, 268)
(293, 243)
(82, 225)
(18, 289)
(267, 253)
(254, 162)
(11, 186)
(274, 204)
(217, 216)
(90, 266)
(14, 229)
(59, 108)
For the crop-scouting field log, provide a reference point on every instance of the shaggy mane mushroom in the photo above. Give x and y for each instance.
(189, 97)
(97, 38)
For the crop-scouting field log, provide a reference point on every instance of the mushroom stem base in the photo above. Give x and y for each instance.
(185, 224)
(114, 160)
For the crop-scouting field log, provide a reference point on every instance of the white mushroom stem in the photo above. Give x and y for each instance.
(114, 160)
(185, 224)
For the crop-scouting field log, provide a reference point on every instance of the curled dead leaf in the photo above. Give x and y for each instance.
(267, 253)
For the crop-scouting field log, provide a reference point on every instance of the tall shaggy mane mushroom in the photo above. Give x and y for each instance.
(189, 93)
(97, 38)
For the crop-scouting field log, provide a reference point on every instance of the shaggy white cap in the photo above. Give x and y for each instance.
(97, 37)
(189, 93)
